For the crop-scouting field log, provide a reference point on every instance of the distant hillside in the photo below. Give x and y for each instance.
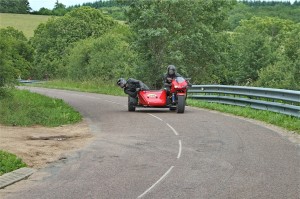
(23, 22)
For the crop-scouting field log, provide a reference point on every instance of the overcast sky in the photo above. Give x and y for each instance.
(37, 4)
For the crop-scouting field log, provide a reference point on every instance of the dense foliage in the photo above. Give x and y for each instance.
(106, 57)
(15, 57)
(213, 42)
(258, 52)
(14, 6)
(248, 9)
(184, 33)
(53, 38)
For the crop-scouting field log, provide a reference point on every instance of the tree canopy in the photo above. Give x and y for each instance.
(183, 33)
(213, 42)
(14, 6)
(105, 58)
(52, 38)
(15, 57)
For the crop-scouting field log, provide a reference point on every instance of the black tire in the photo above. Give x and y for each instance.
(181, 104)
(131, 103)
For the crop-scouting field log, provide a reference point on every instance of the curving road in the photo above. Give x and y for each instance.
(154, 153)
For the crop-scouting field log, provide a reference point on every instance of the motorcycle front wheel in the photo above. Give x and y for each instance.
(181, 104)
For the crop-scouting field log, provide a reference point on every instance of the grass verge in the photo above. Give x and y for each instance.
(288, 122)
(92, 86)
(9, 162)
(23, 108)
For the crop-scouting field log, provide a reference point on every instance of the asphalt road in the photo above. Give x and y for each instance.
(155, 153)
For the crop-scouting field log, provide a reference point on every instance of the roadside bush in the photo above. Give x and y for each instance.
(278, 75)
(52, 38)
(15, 57)
(105, 58)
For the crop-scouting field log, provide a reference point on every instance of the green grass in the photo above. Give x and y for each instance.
(24, 22)
(9, 162)
(288, 122)
(92, 86)
(24, 108)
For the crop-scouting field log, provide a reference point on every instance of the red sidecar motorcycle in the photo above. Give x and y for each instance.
(159, 99)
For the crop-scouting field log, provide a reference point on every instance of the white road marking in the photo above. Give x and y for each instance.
(155, 116)
(180, 148)
(156, 182)
(172, 129)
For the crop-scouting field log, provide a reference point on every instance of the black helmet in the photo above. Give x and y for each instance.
(171, 70)
(121, 82)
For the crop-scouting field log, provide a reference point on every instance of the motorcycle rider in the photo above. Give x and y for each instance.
(132, 86)
(167, 80)
(169, 76)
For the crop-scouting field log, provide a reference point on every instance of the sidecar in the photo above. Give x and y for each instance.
(148, 98)
(155, 99)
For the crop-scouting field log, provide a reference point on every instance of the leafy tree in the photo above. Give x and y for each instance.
(59, 9)
(16, 52)
(52, 38)
(15, 57)
(285, 72)
(249, 9)
(106, 57)
(14, 6)
(278, 75)
(253, 46)
(44, 11)
(179, 32)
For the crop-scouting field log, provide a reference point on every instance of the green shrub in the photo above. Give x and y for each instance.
(102, 58)
(280, 75)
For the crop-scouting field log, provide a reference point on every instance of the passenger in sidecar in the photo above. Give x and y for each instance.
(132, 86)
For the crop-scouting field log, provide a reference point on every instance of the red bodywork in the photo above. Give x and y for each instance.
(179, 86)
(158, 98)
(152, 98)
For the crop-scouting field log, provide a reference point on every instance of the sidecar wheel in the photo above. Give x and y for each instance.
(181, 104)
(131, 102)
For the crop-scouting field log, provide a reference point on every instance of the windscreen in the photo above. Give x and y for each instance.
(180, 79)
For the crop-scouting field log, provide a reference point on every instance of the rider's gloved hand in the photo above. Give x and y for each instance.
(138, 89)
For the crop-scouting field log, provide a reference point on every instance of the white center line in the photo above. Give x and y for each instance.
(180, 148)
(156, 182)
(172, 129)
(155, 116)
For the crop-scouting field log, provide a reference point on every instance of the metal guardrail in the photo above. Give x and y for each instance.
(28, 81)
(276, 100)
